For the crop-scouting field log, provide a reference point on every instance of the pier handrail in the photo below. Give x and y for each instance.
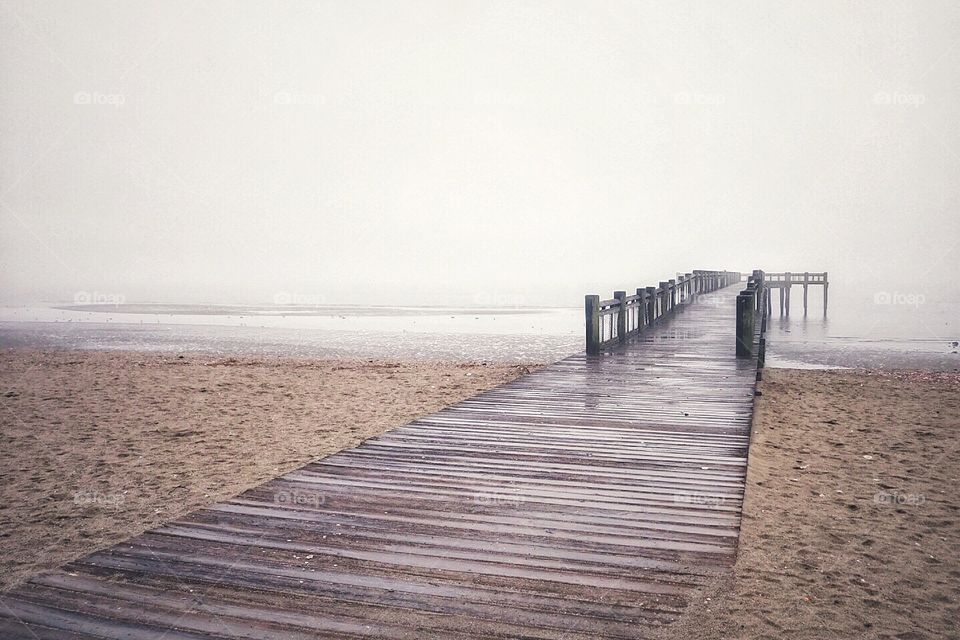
(612, 321)
(806, 277)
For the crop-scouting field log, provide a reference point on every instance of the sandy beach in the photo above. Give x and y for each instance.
(851, 522)
(100, 446)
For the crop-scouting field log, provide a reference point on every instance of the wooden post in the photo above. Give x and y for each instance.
(622, 315)
(688, 279)
(641, 309)
(651, 305)
(789, 280)
(664, 298)
(745, 318)
(673, 294)
(782, 294)
(825, 285)
(592, 313)
(806, 285)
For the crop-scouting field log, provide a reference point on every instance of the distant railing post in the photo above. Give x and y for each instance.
(592, 313)
(622, 315)
(641, 308)
(664, 298)
(651, 305)
(673, 293)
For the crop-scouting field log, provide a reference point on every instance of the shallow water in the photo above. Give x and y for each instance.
(863, 334)
(529, 335)
(856, 333)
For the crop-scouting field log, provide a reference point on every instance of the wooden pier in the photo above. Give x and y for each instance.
(585, 500)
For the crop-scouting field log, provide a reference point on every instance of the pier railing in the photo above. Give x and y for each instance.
(612, 321)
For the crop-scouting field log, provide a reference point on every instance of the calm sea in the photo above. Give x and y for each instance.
(528, 335)
(894, 332)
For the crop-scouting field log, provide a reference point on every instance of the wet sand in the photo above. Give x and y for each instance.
(851, 525)
(101, 446)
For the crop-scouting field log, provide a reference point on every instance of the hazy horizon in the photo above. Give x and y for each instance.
(427, 152)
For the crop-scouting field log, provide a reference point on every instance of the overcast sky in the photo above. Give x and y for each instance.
(414, 151)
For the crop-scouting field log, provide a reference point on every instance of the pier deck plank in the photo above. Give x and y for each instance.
(586, 499)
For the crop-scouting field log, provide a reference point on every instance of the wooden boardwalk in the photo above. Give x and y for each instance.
(584, 500)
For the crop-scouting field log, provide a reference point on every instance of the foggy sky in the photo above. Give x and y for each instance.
(429, 151)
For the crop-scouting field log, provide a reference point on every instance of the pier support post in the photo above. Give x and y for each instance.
(788, 279)
(825, 285)
(622, 315)
(651, 305)
(592, 313)
(673, 294)
(806, 285)
(664, 298)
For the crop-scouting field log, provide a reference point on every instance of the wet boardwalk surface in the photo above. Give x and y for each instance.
(584, 500)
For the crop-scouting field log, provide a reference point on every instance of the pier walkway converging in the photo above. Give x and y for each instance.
(586, 499)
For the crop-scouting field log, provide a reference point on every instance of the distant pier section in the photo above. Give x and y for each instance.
(785, 281)
(610, 323)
